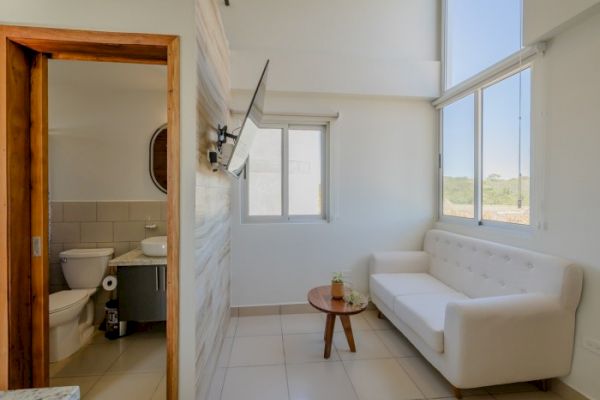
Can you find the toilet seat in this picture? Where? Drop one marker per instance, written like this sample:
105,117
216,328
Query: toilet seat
66,299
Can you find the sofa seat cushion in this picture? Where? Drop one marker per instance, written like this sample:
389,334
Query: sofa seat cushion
388,286
425,314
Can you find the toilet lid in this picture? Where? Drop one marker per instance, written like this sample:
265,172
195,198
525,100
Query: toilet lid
66,298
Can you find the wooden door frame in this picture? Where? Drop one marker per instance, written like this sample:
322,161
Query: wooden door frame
24,52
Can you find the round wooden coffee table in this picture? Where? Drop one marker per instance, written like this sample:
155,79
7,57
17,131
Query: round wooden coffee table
320,298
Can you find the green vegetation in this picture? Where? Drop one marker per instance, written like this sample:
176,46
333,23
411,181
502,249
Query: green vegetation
458,190
496,191
338,277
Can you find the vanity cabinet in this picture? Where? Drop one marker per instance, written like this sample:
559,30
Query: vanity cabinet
142,293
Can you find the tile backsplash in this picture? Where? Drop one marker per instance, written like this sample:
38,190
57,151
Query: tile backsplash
119,224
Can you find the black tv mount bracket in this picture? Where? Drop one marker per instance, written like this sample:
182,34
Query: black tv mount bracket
222,136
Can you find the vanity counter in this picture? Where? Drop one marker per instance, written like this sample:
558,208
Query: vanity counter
135,258
54,393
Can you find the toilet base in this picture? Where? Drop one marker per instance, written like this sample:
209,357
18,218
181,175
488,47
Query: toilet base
67,338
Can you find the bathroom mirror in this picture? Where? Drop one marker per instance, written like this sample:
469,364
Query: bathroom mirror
158,158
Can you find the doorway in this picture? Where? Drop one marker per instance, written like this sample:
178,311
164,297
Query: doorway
24,305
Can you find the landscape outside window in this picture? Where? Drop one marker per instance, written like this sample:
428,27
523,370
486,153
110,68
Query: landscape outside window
505,150
458,158
478,35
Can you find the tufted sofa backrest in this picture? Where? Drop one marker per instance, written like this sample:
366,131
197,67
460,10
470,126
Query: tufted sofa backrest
480,268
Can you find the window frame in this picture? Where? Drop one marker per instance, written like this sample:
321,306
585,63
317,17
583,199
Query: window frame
285,217
516,62
477,92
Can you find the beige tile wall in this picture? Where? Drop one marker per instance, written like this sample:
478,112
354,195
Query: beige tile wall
120,225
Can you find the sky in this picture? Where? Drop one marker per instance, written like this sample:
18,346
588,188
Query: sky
480,33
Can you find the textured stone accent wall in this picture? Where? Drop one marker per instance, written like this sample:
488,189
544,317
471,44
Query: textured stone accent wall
213,195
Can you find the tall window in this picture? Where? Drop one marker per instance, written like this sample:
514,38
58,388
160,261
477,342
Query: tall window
479,33
505,153
486,114
286,174
459,160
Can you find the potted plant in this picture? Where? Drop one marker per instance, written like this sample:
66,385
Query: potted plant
337,285
355,298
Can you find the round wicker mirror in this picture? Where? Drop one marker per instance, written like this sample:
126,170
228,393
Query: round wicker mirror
158,158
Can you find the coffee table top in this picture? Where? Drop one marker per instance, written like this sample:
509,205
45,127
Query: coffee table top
320,298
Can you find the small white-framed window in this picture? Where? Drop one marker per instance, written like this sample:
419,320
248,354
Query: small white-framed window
286,176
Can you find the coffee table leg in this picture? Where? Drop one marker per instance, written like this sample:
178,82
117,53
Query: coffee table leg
329,325
348,331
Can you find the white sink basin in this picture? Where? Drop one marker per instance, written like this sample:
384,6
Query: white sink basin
155,246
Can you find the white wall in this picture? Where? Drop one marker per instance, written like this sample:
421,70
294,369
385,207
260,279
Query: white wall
383,194
566,84
101,122
357,59
151,16
368,47
545,18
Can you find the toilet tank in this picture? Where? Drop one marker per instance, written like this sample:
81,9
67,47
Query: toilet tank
85,268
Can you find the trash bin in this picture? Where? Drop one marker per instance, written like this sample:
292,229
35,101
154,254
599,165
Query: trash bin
112,319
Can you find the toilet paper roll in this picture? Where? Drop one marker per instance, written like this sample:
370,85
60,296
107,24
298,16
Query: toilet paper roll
109,283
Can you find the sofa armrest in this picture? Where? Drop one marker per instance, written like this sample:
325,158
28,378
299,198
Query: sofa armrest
398,261
508,338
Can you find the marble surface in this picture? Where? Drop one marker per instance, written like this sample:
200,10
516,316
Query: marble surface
136,257
55,393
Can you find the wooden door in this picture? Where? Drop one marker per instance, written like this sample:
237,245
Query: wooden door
39,220
24,186
15,222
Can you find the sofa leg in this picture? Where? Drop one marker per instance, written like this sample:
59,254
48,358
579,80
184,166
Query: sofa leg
379,314
457,392
542,384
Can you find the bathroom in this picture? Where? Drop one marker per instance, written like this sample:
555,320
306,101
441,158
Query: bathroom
107,174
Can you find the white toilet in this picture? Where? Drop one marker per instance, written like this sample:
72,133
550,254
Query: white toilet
72,311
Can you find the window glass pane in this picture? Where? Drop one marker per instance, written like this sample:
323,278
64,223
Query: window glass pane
458,128
264,174
506,150
478,34
306,174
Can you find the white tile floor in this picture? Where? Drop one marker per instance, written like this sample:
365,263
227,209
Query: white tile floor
132,367
281,358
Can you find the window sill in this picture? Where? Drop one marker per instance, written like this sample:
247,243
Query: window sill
282,221
487,227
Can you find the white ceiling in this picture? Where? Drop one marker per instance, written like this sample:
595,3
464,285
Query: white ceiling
107,76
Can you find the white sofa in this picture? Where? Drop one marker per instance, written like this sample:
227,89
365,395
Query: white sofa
482,313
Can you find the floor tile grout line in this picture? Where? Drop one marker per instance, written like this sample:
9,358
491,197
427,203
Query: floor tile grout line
411,379
344,361
157,386
350,379
287,379
237,324
223,384
106,372
384,344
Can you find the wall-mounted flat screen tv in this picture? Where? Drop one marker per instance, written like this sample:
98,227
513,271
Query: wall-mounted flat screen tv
249,128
